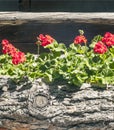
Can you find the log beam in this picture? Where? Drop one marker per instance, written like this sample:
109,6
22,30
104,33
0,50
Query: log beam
50,17
38,105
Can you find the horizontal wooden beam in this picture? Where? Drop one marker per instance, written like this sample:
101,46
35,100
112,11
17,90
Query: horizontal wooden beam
56,17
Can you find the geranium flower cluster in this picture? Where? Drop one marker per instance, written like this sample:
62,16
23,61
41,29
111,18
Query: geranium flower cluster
44,40
107,41
16,55
80,62
101,46
80,39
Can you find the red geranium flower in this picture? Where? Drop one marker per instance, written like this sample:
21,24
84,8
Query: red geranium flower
100,48
5,42
80,39
108,39
18,57
7,47
45,39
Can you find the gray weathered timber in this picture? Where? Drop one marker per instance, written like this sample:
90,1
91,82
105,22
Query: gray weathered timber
58,106
47,17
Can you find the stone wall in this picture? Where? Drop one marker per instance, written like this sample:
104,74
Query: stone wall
56,106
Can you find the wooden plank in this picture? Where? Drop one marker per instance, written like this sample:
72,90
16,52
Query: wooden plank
55,17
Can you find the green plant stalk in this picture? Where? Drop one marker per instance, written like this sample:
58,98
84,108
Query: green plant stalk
38,50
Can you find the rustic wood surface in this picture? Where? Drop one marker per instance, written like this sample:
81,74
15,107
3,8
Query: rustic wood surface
47,17
58,106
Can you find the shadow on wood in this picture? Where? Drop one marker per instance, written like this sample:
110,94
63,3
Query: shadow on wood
23,36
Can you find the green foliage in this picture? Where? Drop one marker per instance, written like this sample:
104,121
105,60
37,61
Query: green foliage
75,65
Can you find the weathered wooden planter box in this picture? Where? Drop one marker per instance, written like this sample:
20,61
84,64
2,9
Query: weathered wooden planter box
40,106
57,106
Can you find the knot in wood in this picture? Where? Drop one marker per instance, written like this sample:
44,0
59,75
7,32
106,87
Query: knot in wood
38,104
40,101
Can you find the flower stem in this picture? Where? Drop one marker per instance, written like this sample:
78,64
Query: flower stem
38,51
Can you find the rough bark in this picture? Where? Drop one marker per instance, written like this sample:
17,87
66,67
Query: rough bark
58,106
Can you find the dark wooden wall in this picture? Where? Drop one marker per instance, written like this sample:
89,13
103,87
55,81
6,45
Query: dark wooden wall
24,36
58,5
73,5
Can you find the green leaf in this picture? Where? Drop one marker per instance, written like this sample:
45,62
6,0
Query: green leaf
61,48
48,77
111,65
97,38
52,46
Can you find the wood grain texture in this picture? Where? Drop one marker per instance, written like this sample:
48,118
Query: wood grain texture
38,105
47,17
